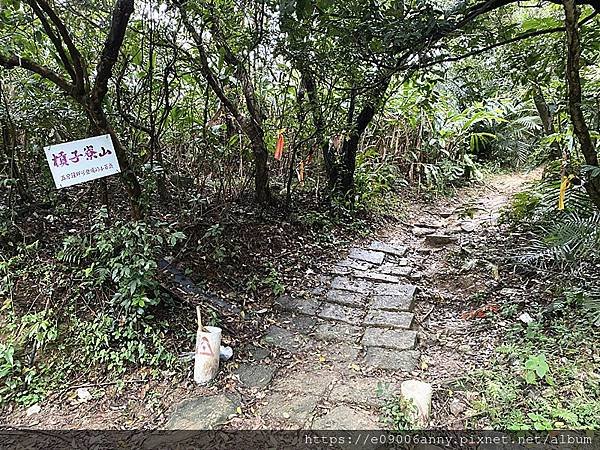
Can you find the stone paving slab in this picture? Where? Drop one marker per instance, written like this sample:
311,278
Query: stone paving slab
396,250
338,332
298,305
342,313
296,408
347,298
394,339
204,413
303,324
399,271
255,375
339,352
257,354
348,284
354,264
392,302
346,418
339,270
369,256
407,290
376,276
363,390
389,319
314,382
387,359
285,339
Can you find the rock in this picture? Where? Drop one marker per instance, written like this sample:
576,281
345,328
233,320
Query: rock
314,382
435,224
416,276
257,353
297,305
341,313
255,375
468,226
457,407
204,413
363,391
33,409
395,250
387,359
464,348
418,231
83,395
296,408
526,318
346,418
394,339
339,332
348,284
284,339
446,213
339,270
346,298
369,256
419,393
388,319
440,240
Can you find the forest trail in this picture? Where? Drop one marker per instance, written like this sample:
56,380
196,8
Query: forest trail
335,355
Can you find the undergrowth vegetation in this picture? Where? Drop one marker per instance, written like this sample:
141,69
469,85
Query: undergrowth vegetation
544,375
91,304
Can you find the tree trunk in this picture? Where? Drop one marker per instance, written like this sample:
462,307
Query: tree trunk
547,120
261,155
574,84
100,123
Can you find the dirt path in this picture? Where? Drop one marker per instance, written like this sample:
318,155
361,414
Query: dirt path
392,309
336,354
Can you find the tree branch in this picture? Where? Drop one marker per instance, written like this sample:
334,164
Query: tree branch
56,41
209,75
110,52
78,63
13,61
520,37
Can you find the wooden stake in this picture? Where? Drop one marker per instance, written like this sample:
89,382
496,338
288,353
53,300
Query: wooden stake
199,316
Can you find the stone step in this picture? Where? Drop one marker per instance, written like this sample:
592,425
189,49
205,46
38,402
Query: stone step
395,250
345,283
389,319
376,276
347,298
341,313
394,339
387,359
338,332
392,302
370,256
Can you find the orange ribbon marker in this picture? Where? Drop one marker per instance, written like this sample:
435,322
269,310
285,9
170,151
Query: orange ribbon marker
280,144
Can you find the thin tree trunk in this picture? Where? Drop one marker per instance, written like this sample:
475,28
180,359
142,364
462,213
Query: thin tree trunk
547,121
574,84
132,185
